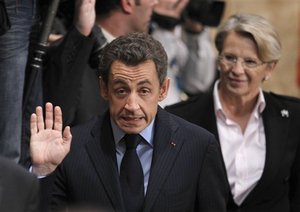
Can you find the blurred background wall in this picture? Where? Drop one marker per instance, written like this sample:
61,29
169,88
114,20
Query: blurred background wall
285,16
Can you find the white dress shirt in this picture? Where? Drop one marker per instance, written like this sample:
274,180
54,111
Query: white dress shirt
243,153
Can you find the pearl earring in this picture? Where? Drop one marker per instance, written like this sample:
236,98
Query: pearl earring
267,78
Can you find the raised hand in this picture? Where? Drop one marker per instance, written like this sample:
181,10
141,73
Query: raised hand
85,15
48,144
171,8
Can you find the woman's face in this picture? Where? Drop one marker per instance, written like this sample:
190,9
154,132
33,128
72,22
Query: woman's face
241,71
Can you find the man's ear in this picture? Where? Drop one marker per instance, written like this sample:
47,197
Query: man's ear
127,6
164,89
103,89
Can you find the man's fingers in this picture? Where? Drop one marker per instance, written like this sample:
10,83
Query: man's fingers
58,122
49,115
33,125
40,118
67,136
85,16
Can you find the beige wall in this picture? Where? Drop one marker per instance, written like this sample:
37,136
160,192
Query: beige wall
284,15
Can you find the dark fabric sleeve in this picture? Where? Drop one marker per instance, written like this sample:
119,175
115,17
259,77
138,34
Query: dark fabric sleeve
65,67
213,188
295,184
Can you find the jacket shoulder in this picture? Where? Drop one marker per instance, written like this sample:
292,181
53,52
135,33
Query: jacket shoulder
284,98
189,128
189,104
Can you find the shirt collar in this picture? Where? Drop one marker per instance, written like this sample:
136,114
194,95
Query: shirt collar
109,37
147,133
259,107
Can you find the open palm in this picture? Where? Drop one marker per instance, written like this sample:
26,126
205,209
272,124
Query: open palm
48,144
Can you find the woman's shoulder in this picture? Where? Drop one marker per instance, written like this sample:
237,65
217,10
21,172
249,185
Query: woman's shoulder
284,98
283,102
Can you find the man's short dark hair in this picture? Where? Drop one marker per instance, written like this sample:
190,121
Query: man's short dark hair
104,7
133,49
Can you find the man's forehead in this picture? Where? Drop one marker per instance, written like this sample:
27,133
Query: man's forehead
119,69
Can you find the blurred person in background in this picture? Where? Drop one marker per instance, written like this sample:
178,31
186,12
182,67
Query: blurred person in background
185,34
19,190
258,131
21,16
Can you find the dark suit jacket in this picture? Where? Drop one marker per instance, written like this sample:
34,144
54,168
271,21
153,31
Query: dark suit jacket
186,172
279,187
71,80
19,190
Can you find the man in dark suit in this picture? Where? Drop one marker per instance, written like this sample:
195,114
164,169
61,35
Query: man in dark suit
181,162
19,190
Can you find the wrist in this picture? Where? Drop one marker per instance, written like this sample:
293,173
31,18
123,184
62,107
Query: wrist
43,170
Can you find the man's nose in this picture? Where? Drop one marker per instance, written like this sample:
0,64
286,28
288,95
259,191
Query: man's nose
132,102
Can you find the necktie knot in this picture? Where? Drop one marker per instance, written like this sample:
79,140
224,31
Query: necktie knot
132,141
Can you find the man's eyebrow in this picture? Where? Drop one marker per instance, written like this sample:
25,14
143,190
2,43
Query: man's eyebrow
124,82
119,81
144,82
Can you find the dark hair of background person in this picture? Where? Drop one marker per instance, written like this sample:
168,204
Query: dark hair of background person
207,12
132,50
104,7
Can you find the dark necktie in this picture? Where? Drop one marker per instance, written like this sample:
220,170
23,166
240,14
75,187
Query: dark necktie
131,175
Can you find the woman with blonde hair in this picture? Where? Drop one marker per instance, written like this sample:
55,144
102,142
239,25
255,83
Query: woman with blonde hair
258,131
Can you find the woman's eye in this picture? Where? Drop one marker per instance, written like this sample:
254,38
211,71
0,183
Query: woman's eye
230,58
251,62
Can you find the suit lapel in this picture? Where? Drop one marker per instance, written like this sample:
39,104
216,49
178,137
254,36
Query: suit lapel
101,149
164,154
276,126
209,118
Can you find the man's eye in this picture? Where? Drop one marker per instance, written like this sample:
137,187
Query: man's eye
120,91
144,91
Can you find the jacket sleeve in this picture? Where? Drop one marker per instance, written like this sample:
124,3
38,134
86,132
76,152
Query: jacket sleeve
295,184
213,187
64,70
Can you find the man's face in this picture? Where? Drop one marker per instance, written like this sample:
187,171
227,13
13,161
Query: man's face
142,13
133,93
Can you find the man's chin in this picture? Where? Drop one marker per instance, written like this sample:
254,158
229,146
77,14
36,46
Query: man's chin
131,129
128,130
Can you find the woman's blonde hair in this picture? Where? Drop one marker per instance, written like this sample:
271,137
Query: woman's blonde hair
256,28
